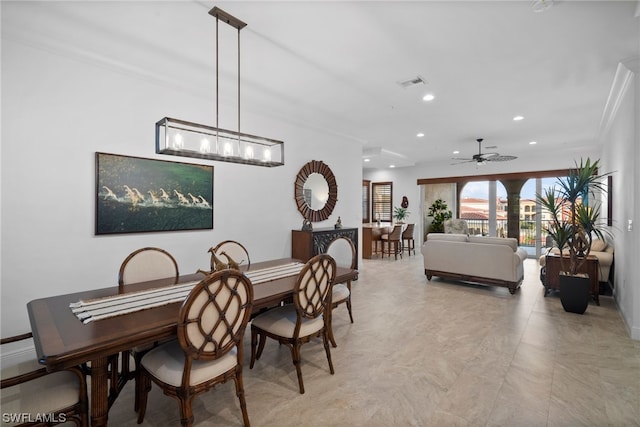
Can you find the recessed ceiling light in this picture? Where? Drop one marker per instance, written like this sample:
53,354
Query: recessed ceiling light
428,97
420,135
533,143
518,118
367,160
456,152
392,166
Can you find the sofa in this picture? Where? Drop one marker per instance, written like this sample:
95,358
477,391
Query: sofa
601,249
480,259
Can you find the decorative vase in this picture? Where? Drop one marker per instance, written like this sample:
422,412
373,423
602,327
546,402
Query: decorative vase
574,293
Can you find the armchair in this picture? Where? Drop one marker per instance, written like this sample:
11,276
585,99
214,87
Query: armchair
30,393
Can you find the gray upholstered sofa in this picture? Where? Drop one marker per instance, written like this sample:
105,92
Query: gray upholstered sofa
488,260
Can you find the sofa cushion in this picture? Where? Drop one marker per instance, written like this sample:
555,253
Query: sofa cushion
513,243
447,237
598,245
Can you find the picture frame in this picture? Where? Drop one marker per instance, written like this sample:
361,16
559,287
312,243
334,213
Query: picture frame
138,195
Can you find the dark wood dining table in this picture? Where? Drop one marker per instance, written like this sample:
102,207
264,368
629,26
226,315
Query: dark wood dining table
62,340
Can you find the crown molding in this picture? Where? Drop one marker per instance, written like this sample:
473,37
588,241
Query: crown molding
626,71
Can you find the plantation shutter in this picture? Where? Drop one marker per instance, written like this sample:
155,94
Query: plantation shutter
382,197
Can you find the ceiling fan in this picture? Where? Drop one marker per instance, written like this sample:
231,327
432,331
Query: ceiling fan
481,158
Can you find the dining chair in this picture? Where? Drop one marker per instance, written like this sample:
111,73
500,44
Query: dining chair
295,324
141,265
30,393
231,252
392,240
208,351
408,243
344,253
146,264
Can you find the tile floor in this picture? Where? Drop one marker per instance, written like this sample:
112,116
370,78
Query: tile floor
436,353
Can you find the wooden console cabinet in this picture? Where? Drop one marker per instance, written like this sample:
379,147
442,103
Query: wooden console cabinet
553,267
307,244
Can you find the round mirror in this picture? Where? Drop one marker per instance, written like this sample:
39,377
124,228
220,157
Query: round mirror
316,191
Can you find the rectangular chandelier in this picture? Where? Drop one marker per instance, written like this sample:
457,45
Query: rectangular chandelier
187,139
181,138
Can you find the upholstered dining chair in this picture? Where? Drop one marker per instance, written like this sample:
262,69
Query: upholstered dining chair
230,251
344,253
208,351
392,240
27,388
408,244
295,324
141,265
147,264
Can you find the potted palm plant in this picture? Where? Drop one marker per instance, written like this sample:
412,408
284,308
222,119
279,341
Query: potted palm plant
572,227
400,214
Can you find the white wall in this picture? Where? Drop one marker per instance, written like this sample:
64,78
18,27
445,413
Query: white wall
621,155
60,106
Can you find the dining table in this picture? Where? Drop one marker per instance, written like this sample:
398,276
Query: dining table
62,340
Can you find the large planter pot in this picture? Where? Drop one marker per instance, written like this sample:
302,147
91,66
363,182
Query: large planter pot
574,293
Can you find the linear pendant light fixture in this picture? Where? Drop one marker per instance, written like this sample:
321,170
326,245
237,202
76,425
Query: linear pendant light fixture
182,138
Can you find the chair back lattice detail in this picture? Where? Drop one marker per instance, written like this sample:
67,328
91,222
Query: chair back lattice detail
147,264
214,316
313,286
343,252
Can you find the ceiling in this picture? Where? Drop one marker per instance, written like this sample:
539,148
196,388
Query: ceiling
336,66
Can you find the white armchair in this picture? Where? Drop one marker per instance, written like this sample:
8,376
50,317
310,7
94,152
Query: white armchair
456,226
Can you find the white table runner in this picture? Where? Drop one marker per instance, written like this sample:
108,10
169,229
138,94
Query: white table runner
103,308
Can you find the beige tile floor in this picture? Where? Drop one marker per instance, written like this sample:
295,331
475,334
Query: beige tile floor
436,353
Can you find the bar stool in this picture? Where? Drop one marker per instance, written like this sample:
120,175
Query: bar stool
392,238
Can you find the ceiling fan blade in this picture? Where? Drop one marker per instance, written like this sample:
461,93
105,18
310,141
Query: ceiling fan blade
463,161
501,158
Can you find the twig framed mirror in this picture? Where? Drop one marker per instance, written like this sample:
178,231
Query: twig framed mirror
316,191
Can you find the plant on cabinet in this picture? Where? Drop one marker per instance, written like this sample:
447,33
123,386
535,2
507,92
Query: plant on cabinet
574,222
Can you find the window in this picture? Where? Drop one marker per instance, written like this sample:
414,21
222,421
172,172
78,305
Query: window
366,186
381,203
475,206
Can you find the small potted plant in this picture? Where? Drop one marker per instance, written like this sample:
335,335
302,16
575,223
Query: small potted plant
572,227
400,214
440,212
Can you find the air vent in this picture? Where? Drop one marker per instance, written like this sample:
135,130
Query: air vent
412,82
